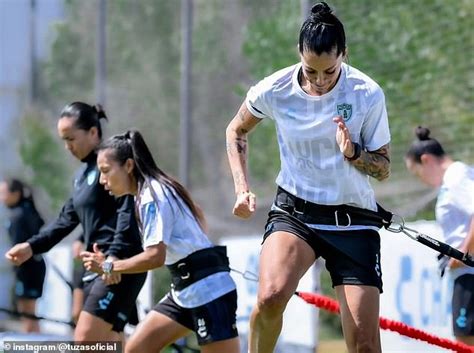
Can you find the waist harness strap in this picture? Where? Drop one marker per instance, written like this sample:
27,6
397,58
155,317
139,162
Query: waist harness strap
339,215
198,265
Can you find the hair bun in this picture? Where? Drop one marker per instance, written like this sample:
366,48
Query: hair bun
422,133
320,10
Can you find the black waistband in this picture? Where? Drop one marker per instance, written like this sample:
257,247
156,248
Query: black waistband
339,215
198,265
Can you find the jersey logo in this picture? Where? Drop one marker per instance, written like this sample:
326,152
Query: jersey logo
104,302
345,110
202,330
461,321
91,177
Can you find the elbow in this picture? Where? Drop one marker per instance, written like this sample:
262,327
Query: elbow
156,258
158,261
230,133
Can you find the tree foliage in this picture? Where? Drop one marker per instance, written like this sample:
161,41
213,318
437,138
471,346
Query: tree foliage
411,49
41,152
419,52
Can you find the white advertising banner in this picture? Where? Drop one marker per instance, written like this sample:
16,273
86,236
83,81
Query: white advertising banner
414,293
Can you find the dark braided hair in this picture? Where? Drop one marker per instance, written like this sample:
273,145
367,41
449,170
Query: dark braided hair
322,32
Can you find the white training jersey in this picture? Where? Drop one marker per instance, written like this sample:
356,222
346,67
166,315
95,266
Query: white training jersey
312,166
166,218
455,206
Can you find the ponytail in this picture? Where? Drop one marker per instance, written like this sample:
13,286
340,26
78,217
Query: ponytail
87,116
131,145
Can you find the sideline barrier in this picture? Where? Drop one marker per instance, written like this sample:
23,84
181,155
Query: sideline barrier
332,305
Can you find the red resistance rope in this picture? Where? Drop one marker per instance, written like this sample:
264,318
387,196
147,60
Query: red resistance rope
386,324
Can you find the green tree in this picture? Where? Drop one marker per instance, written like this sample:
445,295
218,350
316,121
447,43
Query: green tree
409,48
40,151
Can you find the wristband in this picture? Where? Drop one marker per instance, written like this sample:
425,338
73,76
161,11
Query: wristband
357,152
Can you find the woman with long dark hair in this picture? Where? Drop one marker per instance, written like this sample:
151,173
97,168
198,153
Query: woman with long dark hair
105,220
203,296
24,222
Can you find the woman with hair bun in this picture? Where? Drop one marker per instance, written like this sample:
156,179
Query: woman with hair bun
333,134
427,160
24,221
203,296
107,223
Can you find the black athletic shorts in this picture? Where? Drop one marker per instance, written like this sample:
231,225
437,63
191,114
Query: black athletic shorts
212,322
352,256
115,303
463,306
30,278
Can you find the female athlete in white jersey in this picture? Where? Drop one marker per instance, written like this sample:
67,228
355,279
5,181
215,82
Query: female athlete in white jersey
203,296
427,160
333,134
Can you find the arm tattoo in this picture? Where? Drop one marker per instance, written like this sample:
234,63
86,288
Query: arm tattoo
241,145
237,146
375,163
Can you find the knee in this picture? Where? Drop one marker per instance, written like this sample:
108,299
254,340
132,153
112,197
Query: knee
85,331
272,301
81,334
137,345
131,348
366,342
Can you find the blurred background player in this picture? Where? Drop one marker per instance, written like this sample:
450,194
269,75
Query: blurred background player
106,221
24,222
427,160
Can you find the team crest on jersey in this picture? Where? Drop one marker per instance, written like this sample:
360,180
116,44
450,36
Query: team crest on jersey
345,110
91,177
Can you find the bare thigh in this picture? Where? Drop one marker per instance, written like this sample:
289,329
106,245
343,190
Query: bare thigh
469,340
93,328
77,303
154,333
231,345
27,306
284,259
